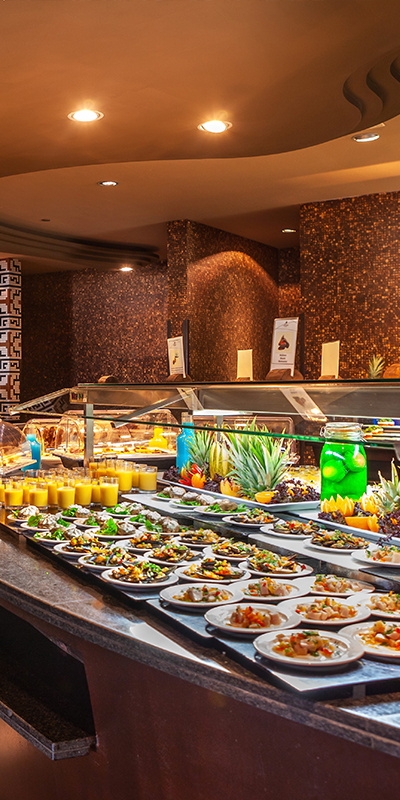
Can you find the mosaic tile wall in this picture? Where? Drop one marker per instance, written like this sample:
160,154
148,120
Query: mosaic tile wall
231,298
10,332
350,263
290,304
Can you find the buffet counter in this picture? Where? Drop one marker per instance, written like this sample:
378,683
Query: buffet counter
159,715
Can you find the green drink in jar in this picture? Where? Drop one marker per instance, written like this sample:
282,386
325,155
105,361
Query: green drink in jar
343,465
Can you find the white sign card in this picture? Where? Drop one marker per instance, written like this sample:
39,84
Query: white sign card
244,365
284,339
176,358
330,359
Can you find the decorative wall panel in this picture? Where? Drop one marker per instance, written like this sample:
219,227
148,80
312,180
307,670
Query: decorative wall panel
10,332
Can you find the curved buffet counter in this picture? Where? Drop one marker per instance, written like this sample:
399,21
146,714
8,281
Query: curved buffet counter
98,689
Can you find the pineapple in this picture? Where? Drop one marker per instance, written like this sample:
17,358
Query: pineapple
258,461
388,494
376,367
199,449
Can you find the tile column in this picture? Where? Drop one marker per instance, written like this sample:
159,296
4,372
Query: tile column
10,332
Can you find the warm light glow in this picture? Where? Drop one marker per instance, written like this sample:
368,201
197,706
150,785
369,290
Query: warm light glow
214,126
289,230
107,183
126,269
85,115
365,137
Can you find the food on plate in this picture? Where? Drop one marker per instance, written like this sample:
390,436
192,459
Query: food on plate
57,534
249,618
293,491
304,644
295,527
125,509
388,603
48,521
266,561
381,634
202,536
203,594
164,525
338,540
332,584
267,587
141,572
224,507
24,513
107,556
254,516
143,541
171,493
388,554
193,499
81,544
76,512
327,608
231,547
213,569
172,553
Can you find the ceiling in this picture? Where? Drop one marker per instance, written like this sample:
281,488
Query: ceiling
294,77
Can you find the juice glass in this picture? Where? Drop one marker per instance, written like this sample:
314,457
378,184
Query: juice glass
111,464
148,479
135,474
96,496
66,494
108,491
83,491
2,488
13,494
343,464
53,483
123,471
39,495
101,469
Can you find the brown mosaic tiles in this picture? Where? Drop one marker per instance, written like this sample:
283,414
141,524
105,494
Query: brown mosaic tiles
231,301
289,282
349,252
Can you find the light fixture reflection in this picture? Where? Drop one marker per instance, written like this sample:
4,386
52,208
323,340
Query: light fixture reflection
85,115
125,269
214,126
289,230
365,137
107,183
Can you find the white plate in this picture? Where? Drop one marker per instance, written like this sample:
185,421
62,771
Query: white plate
209,553
268,529
93,567
309,582
13,521
59,548
176,505
367,599
218,514
386,653
341,551
180,573
137,587
196,546
148,557
168,595
301,571
161,499
362,611
350,650
296,591
29,528
360,555
48,542
230,519
218,618
163,534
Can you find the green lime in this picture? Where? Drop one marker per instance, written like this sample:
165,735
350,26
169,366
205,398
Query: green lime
355,461
334,470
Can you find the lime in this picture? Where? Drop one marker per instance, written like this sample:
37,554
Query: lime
355,461
334,470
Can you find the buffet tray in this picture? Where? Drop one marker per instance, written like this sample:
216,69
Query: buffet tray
324,523
357,679
303,506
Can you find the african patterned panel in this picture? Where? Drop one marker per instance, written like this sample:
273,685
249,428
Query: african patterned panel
10,332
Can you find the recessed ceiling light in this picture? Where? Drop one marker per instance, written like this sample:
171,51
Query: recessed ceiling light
45,220
107,183
289,230
214,126
85,115
126,269
365,137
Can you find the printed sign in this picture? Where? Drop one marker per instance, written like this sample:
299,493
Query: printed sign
330,359
244,365
176,358
284,339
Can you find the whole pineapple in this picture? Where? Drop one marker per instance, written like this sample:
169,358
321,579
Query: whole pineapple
388,494
376,367
199,449
258,461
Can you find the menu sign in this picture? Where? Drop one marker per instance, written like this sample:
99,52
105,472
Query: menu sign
284,340
176,358
330,359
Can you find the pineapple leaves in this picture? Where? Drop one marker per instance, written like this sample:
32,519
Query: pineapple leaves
259,462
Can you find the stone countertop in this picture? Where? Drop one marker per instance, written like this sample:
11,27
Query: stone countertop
39,586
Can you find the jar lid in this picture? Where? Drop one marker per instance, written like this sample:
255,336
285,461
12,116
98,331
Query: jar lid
342,430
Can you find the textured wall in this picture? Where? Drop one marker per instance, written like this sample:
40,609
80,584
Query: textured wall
290,301
231,301
350,266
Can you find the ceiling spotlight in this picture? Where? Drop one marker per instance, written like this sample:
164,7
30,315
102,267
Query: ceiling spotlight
126,269
85,115
214,126
289,230
44,219
365,137
107,183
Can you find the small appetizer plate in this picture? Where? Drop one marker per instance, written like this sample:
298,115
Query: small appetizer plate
48,542
301,570
231,520
72,556
171,595
269,530
219,515
362,611
129,586
219,618
193,545
361,555
147,555
378,651
244,575
369,601
296,590
309,582
94,567
346,551
209,553
346,650
14,521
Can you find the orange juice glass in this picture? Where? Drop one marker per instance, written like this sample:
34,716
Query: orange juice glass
148,479
66,494
108,491
96,496
124,473
110,467
101,469
2,487
83,491
13,494
39,495
135,475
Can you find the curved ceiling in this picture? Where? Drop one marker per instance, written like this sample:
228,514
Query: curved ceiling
289,75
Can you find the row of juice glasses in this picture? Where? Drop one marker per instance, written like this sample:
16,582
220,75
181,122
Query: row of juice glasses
62,488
